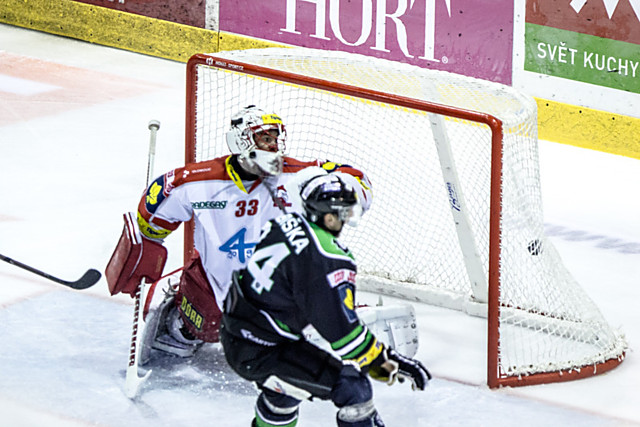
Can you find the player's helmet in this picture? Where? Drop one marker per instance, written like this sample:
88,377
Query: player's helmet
242,140
330,194
250,121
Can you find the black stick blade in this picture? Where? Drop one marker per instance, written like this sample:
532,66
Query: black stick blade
87,280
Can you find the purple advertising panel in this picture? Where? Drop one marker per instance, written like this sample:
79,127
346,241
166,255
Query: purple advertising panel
470,37
187,12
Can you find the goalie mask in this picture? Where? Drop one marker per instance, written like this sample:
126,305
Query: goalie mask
258,138
329,194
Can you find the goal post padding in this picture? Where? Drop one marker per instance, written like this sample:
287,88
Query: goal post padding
457,216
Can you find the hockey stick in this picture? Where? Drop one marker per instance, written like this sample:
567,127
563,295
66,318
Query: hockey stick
133,381
88,279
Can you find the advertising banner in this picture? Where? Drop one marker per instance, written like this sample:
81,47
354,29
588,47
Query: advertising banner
591,41
470,37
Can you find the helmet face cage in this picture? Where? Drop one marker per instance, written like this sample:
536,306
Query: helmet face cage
328,194
242,137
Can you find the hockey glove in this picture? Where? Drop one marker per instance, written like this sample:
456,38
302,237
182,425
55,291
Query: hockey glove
397,366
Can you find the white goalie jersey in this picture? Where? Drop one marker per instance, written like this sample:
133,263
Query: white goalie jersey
228,211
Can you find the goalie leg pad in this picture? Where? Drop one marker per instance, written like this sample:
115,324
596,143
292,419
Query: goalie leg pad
394,325
197,303
172,338
135,258
158,298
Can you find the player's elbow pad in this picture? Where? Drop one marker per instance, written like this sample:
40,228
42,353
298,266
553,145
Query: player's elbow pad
134,259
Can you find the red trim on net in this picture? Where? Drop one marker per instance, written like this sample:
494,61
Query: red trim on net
559,376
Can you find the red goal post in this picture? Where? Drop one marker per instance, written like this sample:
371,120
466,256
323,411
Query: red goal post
483,251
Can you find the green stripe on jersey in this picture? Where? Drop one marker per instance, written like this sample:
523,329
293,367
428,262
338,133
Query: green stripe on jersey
361,349
337,345
328,242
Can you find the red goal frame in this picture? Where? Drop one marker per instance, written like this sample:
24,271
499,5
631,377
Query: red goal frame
495,378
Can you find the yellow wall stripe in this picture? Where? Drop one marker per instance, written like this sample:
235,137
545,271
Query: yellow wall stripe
118,29
109,27
587,128
558,122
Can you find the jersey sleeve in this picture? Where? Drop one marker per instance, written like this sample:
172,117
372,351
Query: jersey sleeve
163,207
337,321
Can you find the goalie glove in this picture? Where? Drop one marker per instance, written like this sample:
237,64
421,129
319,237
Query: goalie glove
397,366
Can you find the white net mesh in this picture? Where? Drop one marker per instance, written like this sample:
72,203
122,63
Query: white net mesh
408,243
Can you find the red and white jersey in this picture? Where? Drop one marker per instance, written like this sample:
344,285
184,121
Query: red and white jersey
228,212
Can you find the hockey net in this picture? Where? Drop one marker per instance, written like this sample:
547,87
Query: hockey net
456,219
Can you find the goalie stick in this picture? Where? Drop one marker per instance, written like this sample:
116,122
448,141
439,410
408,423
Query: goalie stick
88,279
133,381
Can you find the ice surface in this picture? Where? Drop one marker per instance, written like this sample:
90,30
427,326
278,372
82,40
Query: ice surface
71,162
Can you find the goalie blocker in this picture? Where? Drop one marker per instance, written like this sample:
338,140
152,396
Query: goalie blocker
134,259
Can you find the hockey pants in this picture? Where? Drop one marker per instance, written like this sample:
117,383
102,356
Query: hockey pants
293,371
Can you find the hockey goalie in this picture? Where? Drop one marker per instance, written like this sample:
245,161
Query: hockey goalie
230,198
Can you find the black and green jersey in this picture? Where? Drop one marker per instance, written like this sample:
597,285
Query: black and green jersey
301,275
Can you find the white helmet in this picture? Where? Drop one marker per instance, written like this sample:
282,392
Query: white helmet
241,140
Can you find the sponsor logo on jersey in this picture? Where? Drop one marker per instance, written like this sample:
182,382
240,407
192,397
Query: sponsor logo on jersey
201,170
341,276
191,314
248,335
237,247
213,204
348,306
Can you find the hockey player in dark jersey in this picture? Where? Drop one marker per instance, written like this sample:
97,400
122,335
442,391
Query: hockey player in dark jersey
300,275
